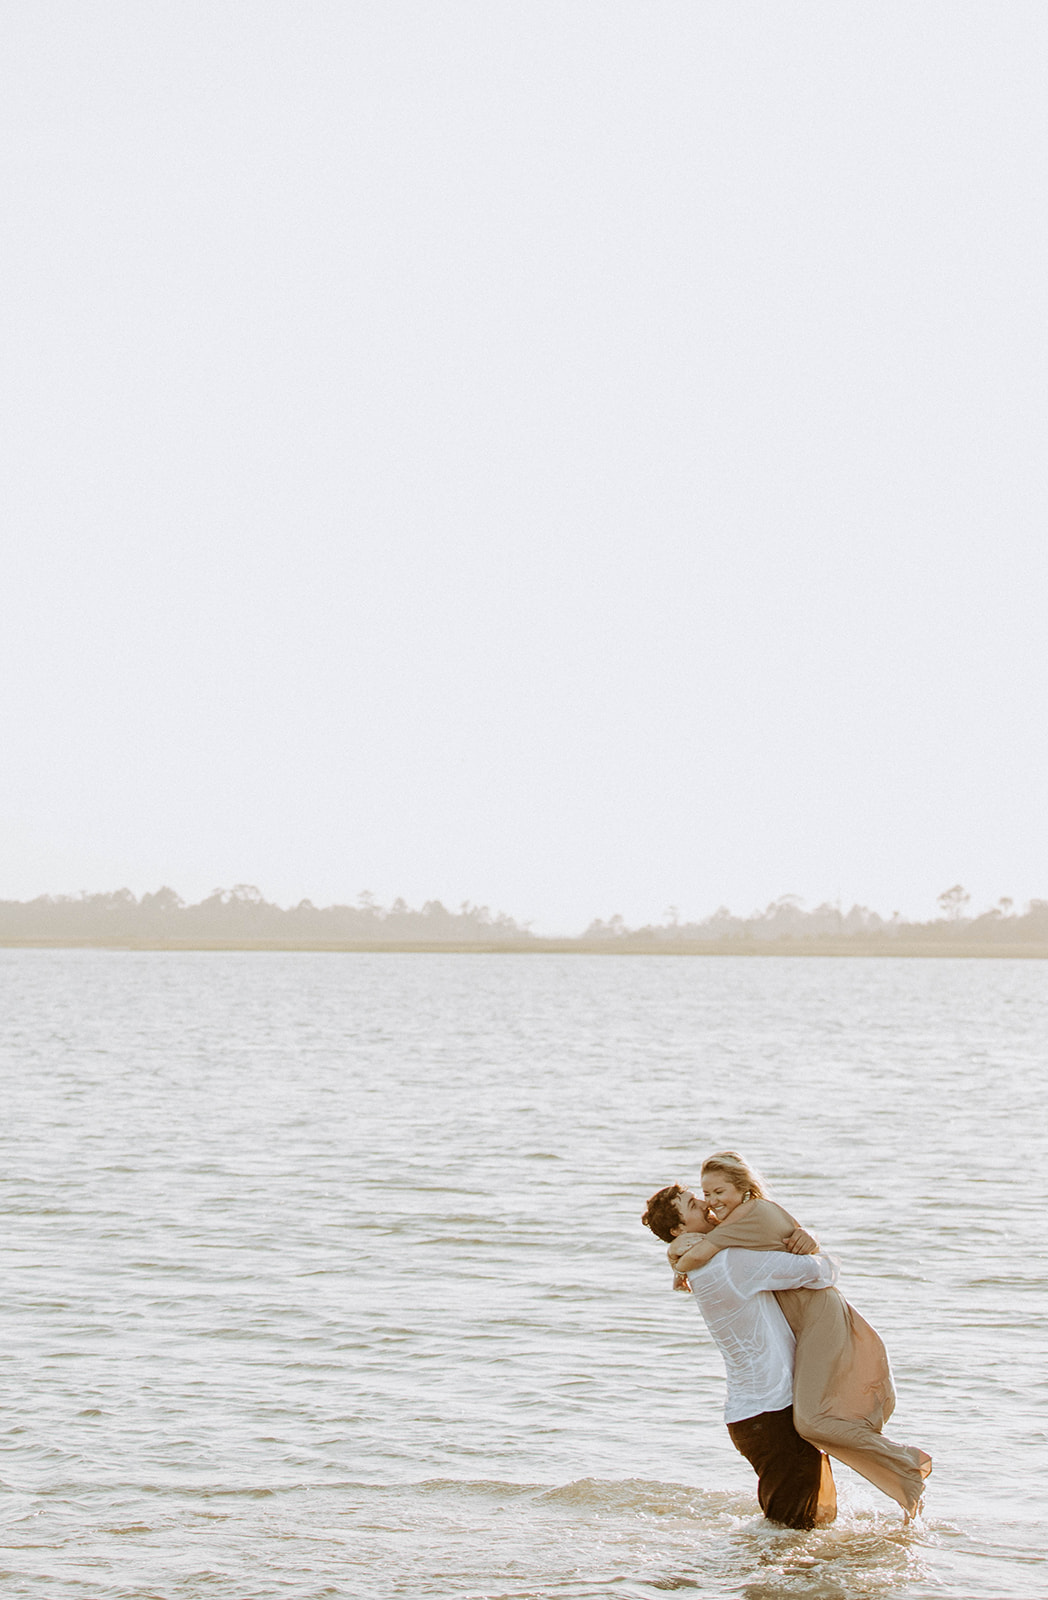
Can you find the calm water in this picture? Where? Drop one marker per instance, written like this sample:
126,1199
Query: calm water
323,1274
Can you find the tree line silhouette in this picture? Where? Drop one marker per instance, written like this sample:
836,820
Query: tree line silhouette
242,915
228,915
786,919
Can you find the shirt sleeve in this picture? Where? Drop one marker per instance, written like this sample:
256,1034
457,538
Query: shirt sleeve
753,1271
755,1225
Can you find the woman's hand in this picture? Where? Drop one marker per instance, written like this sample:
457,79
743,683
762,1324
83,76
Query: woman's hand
682,1243
700,1249
801,1243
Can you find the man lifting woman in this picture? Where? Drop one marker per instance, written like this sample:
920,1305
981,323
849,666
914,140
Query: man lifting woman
807,1376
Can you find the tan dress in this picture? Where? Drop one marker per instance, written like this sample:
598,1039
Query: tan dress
843,1392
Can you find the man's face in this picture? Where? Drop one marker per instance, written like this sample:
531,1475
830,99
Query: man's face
692,1212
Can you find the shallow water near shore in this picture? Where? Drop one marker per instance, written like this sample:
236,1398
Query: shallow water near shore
324,1275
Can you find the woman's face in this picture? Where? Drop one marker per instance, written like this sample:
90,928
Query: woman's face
721,1194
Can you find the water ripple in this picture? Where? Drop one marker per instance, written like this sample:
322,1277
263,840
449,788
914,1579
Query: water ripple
323,1274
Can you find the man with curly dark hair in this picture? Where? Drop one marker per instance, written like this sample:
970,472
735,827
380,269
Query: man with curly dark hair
734,1292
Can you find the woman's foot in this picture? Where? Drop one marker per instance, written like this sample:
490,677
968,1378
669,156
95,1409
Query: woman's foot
924,1467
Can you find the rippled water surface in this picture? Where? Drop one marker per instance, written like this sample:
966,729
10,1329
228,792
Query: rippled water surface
323,1274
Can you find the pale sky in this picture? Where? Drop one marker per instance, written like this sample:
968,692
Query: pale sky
578,457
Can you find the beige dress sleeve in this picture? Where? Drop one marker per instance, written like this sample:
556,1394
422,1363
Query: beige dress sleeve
843,1392
755,1225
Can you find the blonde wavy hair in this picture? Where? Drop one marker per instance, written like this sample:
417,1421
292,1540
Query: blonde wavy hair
737,1171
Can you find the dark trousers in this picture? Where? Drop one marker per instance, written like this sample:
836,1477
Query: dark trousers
794,1481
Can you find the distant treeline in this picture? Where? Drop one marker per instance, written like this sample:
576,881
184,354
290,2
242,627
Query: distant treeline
242,915
785,919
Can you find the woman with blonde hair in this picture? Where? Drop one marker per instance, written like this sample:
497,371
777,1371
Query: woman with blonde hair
843,1392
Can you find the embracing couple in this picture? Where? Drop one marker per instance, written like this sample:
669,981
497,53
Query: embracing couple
807,1376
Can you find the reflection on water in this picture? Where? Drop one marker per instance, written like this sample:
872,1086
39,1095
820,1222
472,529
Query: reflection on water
324,1273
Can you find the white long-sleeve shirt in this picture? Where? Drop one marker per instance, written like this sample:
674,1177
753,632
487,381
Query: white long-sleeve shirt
734,1293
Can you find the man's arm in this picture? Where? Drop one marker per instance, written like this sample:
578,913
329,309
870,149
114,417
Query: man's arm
752,1271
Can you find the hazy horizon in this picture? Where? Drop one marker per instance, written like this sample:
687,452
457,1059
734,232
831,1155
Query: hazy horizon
787,913
584,459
